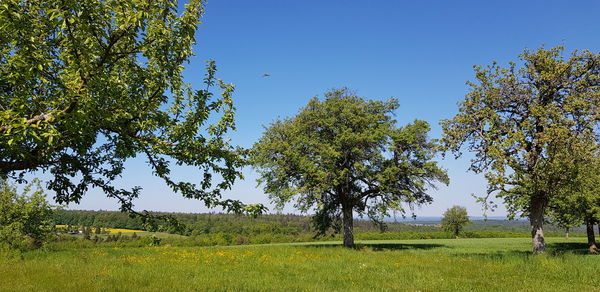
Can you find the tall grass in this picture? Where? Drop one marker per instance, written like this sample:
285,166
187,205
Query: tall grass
407,265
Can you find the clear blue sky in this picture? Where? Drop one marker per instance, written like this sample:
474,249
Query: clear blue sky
420,52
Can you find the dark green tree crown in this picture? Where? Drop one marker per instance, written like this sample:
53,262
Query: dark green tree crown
346,150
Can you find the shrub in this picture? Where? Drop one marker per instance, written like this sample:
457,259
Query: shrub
151,240
25,219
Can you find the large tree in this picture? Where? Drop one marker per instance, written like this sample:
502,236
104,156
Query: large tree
344,154
86,85
521,121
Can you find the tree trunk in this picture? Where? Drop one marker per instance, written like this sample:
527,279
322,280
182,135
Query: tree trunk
536,219
567,233
589,224
347,221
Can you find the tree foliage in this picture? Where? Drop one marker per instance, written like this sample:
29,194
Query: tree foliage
344,154
455,219
87,85
523,122
25,219
579,202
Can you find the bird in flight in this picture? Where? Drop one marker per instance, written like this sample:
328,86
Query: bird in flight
266,75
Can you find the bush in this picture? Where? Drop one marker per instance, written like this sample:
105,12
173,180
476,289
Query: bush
151,240
25,219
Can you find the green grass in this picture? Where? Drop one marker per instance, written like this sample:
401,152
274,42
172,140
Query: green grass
402,265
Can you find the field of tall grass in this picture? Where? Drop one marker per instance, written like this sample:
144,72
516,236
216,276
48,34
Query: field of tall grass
489,264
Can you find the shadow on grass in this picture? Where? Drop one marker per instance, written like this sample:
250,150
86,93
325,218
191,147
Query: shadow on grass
559,248
496,256
381,246
553,249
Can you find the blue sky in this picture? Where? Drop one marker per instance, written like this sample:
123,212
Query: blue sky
420,52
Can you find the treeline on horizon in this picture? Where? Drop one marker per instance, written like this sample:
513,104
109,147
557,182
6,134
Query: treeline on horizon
198,224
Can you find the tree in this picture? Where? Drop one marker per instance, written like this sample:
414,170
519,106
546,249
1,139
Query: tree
344,154
455,219
579,202
521,124
25,219
87,85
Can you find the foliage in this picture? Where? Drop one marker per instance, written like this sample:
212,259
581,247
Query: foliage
523,123
580,201
344,154
25,219
231,229
87,85
230,238
455,219
151,240
210,229
407,265
194,223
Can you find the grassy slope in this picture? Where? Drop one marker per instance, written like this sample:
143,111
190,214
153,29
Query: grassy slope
407,265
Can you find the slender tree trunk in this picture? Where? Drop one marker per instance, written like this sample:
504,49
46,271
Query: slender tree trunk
536,219
567,233
589,224
348,222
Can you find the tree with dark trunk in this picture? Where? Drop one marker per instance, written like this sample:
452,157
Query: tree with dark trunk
522,123
344,155
589,227
348,223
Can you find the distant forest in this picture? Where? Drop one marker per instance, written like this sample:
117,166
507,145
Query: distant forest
195,224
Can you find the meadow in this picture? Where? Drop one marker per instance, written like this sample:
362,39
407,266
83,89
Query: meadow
468,264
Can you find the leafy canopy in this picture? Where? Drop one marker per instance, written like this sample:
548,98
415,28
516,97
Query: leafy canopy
579,201
346,152
455,219
523,122
86,85
25,219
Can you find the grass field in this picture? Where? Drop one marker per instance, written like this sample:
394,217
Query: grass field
407,265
